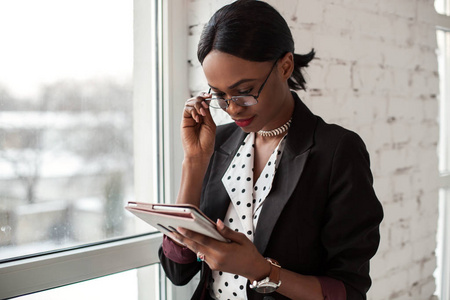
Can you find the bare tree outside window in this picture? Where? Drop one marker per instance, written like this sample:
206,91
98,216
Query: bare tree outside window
66,125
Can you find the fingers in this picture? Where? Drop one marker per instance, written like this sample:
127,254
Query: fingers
230,234
196,108
198,242
195,239
174,236
188,239
179,238
237,256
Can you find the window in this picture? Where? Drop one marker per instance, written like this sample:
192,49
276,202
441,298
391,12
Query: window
124,285
443,251
96,131
442,7
442,273
66,156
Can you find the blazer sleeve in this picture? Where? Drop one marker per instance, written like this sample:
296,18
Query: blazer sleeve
353,213
179,273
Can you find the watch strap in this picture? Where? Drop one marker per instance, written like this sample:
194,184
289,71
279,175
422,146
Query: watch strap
272,282
275,269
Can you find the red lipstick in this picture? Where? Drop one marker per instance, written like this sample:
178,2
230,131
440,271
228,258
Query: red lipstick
243,122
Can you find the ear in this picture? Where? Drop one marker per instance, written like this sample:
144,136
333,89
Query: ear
286,65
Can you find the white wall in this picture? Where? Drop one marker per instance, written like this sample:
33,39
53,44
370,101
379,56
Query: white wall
376,74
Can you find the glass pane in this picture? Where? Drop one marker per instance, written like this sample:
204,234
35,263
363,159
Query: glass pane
443,39
131,285
66,135
442,273
442,6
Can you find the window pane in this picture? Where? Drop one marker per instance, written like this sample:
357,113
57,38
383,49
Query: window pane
131,285
442,6
443,39
442,272
66,135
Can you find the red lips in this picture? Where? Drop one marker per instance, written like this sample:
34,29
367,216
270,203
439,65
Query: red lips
244,122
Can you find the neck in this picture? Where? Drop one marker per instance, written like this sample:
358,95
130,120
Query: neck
282,121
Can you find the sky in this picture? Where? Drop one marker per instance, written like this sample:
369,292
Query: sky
49,40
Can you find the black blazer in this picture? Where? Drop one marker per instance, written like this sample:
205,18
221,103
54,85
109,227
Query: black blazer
322,215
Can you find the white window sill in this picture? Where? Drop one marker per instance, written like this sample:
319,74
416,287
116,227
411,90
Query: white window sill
47,271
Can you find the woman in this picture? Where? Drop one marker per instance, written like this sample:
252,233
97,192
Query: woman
292,194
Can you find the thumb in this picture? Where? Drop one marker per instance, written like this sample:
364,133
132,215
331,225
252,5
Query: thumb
229,234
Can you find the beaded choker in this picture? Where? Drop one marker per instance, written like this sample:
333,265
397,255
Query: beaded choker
276,131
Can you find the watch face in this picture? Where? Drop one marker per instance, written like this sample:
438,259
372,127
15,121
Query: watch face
267,287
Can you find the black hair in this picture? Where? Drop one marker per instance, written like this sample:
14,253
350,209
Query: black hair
255,31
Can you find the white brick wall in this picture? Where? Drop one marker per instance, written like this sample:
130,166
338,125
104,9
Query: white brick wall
376,74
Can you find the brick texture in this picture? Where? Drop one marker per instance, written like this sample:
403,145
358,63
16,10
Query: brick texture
376,74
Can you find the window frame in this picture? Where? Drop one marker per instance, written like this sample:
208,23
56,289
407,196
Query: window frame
174,92
442,23
45,271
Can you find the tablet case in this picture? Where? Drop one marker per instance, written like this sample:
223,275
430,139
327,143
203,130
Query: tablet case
167,221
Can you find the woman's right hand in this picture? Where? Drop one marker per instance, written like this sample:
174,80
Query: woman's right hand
198,129
197,136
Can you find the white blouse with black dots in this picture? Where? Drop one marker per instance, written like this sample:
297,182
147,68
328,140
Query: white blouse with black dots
243,213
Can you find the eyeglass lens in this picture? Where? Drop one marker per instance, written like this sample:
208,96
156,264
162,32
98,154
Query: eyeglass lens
218,102
245,100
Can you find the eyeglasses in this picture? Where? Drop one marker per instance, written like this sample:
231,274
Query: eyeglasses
217,101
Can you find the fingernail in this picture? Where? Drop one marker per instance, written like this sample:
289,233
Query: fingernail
181,230
220,224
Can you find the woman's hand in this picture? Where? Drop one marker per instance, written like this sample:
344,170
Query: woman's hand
197,136
239,256
198,129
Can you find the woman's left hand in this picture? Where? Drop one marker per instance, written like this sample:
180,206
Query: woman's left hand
239,256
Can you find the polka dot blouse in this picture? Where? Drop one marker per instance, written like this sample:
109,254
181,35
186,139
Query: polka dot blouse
243,213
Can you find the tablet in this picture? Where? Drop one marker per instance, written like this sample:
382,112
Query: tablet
167,217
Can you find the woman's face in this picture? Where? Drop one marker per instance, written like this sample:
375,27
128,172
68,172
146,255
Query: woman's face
229,76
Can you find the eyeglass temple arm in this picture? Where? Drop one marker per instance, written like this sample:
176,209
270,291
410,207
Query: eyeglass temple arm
262,85
267,78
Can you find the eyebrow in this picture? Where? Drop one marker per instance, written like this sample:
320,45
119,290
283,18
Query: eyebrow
234,85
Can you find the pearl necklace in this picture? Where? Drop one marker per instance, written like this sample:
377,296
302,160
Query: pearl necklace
283,128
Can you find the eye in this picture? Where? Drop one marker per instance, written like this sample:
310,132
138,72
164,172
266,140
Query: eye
246,92
218,95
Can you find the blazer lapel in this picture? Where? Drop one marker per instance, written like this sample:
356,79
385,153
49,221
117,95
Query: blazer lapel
299,141
298,144
215,192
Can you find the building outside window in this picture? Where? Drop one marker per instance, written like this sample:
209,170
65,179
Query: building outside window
66,124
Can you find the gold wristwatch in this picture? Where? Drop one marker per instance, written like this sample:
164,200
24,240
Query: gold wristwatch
272,282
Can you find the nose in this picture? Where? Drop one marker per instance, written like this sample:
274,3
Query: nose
233,109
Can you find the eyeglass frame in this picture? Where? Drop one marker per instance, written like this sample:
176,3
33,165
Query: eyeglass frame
235,98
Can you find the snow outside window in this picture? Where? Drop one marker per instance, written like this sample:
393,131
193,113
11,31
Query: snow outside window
80,122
